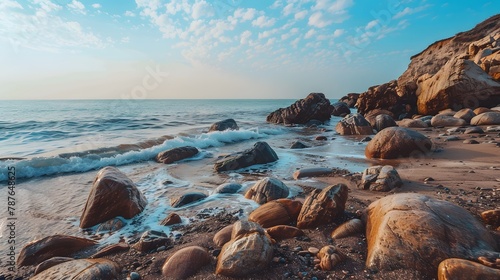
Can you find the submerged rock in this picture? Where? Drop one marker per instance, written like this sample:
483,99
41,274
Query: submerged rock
260,153
267,189
224,125
187,198
112,194
81,269
176,154
228,188
314,107
398,142
322,206
298,145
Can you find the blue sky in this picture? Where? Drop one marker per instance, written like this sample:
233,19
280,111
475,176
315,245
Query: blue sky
217,49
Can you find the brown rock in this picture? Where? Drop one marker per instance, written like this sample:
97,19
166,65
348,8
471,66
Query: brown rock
267,189
322,206
81,269
480,110
185,262
465,114
111,249
171,219
413,231
329,257
380,178
383,121
460,269
314,107
276,212
350,99
354,124
488,118
284,232
409,123
187,198
260,153
43,249
397,142
340,109
151,240
224,125
223,236
445,120
111,225
348,228
311,172
383,96
50,263
176,154
113,194
491,217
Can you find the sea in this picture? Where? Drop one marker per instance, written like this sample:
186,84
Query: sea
56,148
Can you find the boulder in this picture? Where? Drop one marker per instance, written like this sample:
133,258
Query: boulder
348,228
223,236
340,109
398,142
152,240
311,172
298,145
445,120
267,189
228,188
488,118
322,206
224,125
480,110
354,124
57,245
491,217
460,269
459,84
260,153
350,99
176,154
383,121
383,96
112,194
276,212
409,123
473,129
466,114
380,178
250,250
50,263
111,249
414,231
171,219
81,269
284,232
187,198
185,262
314,107
112,225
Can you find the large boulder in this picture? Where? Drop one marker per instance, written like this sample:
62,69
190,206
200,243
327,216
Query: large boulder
459,84
176,154
224,125
384,97
267,189
460,269
445,120
314,107
250,250
354,124
323,206
397,142
488,118
81,269
112,194
414,231
185,262
260,153
57,245
350,99
380,178
340,109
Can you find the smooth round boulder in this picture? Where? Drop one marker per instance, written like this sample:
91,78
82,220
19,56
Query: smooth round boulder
354,124
311,172
398,142
228,188
383,121
447,120
176,154
185,262
322,206
466,114
266,190
284,232
112,194
81,269
488,118
187,198
277,212
460,269
473,129
223,236
480,110
414,231
410,123
224,125
50,263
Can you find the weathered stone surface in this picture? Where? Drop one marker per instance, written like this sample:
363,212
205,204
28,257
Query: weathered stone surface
224,125
348,228
311,172
81,269
491,217
350,99
276,212
480,110
329,257
473,129
267,189
187,198
176,154
298,145
459,84
491,65
340,109
322,206
354,124
223,236
260,153
57,245
314,107
460,269
111,225
171,219
466,114
112,194
185,262
409,123
246,253
111,249
414,231
151,240
397,142
488,118
380,178
284,232
383,121
50,263
445,120
384,97
228,188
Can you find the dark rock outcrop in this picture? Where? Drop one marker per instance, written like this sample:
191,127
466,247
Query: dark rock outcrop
384,97
340,109
260,153
176,154
224,125
350,99
314,107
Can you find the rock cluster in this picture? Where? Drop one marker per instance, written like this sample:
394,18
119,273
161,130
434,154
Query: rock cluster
314,107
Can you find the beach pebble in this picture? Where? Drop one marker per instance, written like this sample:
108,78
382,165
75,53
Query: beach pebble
171,219
452,138
473,129
185,262
466,114
428,179
298,145
266,190
276,212
443,120
321,138
313,250
151,240
470,141
284,232
329,257
135,276
409,123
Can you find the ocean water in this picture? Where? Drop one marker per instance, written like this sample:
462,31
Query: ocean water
57,147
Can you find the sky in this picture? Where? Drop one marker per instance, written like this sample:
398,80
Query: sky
155,49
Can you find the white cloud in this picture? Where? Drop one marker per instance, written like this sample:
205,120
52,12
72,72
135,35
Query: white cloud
245,37
10,4
309,34
409,11
245,14
125,39
77,7
277,4
295,43
201,9
318,21
96,6
175,6
263,21
46,6
300,15
338,32
371,24
129,14
268,33
288,9
337,9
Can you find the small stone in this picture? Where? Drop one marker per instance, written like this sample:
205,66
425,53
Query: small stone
135,276
216,252
366,139
470,141
313,250
451,138
321,138
428,179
